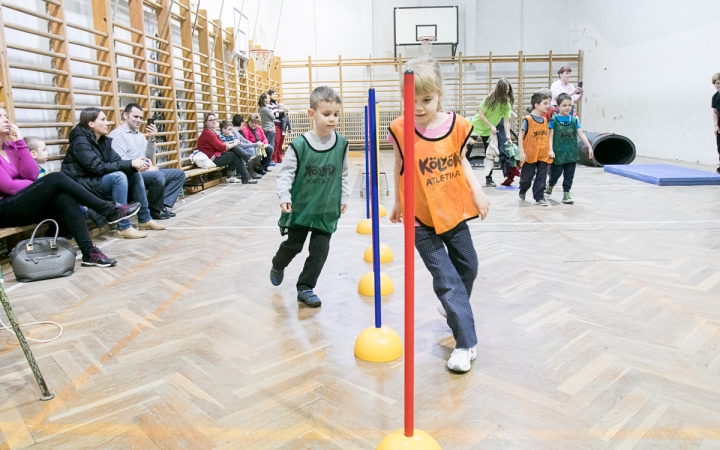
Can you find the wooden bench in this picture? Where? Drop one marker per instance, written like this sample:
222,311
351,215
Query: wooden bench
197,173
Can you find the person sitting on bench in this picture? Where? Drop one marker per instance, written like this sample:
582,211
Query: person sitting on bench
163,185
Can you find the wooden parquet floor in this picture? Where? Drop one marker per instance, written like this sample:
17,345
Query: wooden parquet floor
598,324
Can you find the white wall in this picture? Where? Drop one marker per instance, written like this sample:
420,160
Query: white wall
647,72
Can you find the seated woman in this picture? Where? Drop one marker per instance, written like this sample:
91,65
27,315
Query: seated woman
253,132
25,201
248,149
91,161
219,152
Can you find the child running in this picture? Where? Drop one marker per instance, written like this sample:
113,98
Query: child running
535,152
314,190
447,195
492,111
564,131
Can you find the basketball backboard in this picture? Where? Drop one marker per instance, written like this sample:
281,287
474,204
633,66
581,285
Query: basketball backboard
413,23
241,25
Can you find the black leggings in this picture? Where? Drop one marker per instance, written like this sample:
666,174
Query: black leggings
55,196
319,248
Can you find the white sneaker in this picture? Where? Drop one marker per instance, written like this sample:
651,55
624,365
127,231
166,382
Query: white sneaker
234,180
441,310
461,358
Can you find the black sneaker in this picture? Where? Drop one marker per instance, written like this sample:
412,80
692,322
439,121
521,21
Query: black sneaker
276,276
541,202
309,298
489,182
168,212
98,259
123,212
522,196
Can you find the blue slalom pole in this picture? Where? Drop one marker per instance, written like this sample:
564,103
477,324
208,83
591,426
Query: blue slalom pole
375,204
367,167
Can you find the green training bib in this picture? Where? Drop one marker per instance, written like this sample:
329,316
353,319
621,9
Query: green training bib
565,142
317,189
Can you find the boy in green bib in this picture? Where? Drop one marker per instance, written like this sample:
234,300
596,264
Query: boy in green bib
564,132
314,190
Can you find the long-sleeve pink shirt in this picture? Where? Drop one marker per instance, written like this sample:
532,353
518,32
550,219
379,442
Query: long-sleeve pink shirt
20,169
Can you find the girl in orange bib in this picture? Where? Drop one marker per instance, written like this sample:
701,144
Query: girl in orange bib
447,194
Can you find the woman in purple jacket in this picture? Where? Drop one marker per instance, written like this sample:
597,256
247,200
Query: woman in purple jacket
25,201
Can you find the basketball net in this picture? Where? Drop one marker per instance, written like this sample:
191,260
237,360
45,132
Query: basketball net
427,42
262,58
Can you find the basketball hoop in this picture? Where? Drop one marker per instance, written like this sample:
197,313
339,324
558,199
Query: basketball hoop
427,42
262,58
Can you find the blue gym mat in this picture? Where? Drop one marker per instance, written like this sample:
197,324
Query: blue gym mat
664,174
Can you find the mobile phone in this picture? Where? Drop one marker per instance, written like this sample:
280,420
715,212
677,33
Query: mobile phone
580,83
152,121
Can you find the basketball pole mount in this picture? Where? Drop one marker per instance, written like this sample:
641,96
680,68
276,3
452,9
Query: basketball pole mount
378,343
409,438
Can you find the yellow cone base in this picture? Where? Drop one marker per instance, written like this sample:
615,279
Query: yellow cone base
366,286
398,441
365,226
378,345
386,254
382,210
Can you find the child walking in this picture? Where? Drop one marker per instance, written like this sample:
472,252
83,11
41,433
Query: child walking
564,131
493,109
314,190
535,152
447,195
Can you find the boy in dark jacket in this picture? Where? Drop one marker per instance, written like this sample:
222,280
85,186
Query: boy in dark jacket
91,161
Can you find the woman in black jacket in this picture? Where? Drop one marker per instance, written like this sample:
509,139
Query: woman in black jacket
91,161
26,200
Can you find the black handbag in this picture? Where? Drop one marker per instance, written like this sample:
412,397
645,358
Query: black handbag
43,258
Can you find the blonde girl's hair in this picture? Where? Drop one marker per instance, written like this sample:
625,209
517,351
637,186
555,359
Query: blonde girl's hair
501,95
255,118
428,78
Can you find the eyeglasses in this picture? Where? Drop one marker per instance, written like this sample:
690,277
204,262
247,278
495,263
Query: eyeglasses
212,120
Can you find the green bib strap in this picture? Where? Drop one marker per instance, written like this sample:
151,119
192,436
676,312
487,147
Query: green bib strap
565,142
317,189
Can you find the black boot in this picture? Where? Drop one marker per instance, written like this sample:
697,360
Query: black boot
489,181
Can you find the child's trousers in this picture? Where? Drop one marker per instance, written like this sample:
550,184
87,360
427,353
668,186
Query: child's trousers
540,171
567,169
319,248
453,271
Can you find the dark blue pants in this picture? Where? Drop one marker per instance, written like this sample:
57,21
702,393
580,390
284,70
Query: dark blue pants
452,261
539,170
568,172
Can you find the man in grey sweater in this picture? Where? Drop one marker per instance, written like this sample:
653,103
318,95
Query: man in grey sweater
164,185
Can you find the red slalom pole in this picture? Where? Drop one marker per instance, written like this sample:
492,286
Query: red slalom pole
409,223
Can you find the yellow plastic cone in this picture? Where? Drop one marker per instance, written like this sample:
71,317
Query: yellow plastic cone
367,284
378,345
386,254
365,226
397,440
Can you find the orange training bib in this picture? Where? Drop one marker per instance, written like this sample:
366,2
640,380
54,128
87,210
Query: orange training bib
537,141
443,197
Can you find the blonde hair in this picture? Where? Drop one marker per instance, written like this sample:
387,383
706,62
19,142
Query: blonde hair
716,77
428,78
33,143
255,118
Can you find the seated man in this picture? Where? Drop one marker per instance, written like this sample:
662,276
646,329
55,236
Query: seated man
163,185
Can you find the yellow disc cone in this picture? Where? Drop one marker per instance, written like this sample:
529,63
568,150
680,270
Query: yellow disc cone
397,440
365,226
383,211
378,345
386,255
367,284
